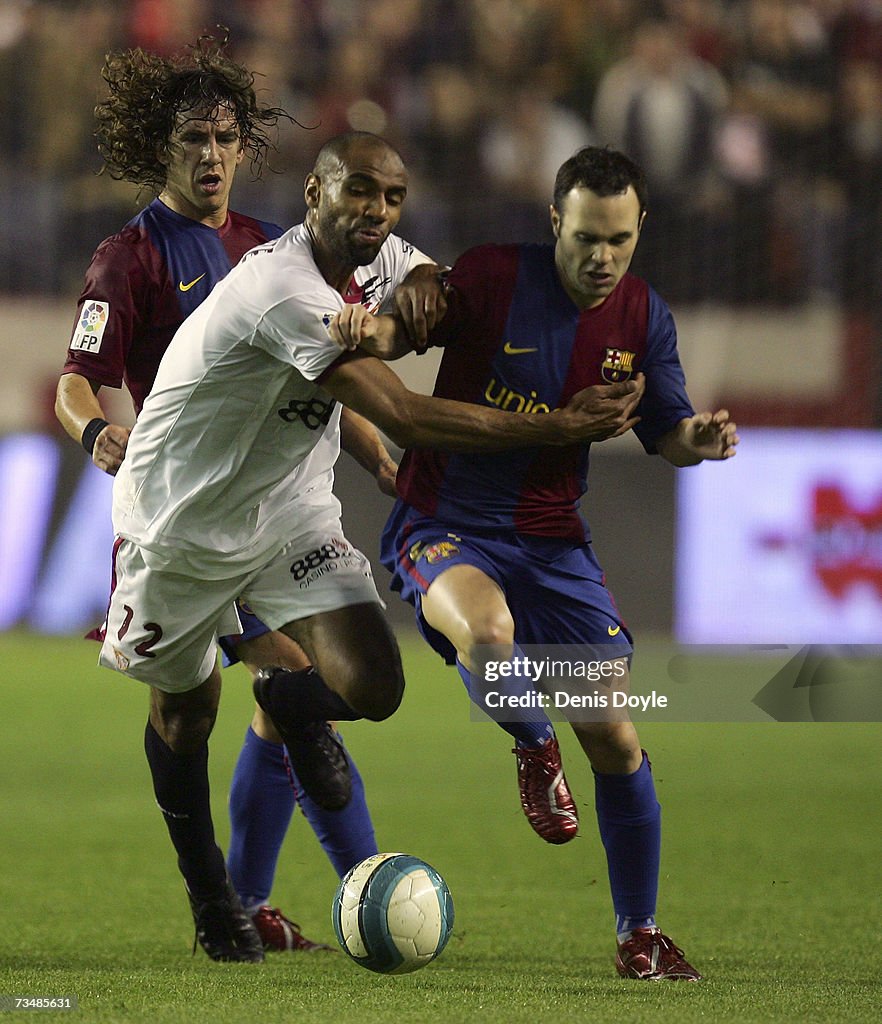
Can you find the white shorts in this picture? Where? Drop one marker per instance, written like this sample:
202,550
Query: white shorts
162,627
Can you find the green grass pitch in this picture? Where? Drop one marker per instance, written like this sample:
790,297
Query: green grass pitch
770,873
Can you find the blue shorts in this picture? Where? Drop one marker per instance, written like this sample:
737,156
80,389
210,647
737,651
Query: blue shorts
554,588
252,628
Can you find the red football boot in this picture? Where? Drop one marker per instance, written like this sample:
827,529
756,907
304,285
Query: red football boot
280,935
650,955
545,795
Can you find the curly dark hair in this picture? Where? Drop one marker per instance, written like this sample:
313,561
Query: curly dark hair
148,92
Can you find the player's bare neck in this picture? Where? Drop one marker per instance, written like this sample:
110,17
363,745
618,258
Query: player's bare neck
339,278
582,301
337,274
210,218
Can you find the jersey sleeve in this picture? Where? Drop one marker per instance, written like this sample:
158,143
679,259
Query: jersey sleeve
402,258
665,402
295,329
473,281
112,303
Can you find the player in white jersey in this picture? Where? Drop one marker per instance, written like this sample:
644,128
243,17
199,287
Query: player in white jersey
225,492
174,496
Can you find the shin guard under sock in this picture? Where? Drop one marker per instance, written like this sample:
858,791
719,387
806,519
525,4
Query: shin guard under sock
180,783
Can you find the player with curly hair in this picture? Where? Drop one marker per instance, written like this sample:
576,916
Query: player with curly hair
148,94
179,127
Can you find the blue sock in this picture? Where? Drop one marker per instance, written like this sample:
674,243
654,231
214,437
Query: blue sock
532,728
347,836
629,817
261,804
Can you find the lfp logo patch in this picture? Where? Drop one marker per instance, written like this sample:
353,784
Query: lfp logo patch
90,329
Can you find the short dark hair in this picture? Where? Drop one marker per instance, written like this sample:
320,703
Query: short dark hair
337,149
605,171
148,91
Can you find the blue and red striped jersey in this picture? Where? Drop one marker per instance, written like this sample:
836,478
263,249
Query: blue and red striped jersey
141,285
513,339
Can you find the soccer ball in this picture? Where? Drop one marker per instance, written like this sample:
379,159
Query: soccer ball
392,913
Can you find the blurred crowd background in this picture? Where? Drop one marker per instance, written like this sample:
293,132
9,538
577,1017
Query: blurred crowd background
758,122
759,125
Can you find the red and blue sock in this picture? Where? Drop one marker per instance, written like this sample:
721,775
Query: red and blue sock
263,795
629,816
528,727
261,804
347,835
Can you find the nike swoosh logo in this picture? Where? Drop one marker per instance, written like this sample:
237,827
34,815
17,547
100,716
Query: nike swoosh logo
187,287
613,630
510,350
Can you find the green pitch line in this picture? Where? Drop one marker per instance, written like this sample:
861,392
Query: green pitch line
771,847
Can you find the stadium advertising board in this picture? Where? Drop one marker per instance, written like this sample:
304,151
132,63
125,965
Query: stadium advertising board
784,544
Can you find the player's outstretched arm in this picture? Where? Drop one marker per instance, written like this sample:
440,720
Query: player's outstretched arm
411,420
76,407
420,304
611,406
707,435
360,439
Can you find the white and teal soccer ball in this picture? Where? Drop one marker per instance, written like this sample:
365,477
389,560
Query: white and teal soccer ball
393,913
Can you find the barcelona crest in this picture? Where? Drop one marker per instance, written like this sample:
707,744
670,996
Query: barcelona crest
438,552
617,365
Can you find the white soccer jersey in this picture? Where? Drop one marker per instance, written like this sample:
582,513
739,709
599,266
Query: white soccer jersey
233,453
